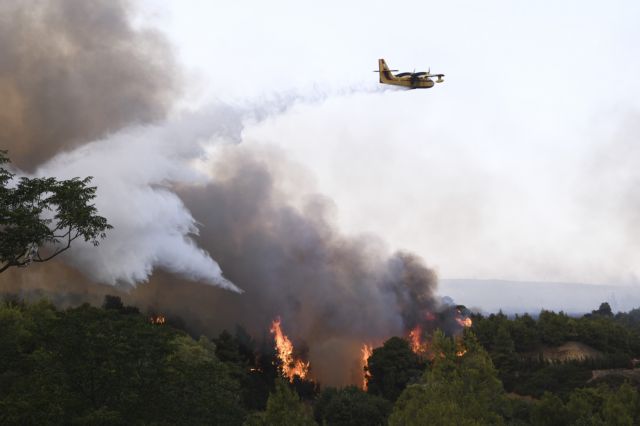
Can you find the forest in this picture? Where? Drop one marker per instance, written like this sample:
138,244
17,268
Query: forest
116,365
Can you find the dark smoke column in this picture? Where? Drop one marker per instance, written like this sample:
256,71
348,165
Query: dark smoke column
333,291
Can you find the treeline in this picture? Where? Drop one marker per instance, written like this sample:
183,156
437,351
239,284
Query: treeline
90,365
600,329
518,347
112,365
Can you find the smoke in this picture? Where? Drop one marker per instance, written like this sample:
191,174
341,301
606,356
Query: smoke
72,71
85,92
277,239
189,197
135,171
192,190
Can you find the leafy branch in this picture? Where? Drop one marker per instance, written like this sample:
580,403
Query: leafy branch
41,217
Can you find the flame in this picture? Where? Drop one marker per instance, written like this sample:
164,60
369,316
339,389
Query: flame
461,350
464,322
157,319
367,350
415,340
290,367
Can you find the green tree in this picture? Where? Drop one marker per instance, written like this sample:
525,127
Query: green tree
524,332
585,405
504,356
622,407
284,408
392,367
256,383
32,389
606,334
199,388
108,366
110,363
351,406
603,406
485,328
550,411
554,327
41,217
604,310
460,390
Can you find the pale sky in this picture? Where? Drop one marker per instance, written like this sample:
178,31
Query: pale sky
522,165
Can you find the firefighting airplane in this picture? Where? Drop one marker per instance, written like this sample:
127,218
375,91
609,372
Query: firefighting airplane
412,80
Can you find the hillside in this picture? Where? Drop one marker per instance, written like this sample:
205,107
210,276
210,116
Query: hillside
117,365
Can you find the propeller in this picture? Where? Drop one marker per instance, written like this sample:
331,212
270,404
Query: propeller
414,76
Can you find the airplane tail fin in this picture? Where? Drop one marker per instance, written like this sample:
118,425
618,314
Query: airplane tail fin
382,65
385,72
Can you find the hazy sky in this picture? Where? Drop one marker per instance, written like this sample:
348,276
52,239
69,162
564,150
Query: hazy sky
522,165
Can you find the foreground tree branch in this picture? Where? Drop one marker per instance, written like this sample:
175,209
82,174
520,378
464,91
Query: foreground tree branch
36,212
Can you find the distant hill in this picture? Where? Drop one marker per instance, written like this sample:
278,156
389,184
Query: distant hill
523,296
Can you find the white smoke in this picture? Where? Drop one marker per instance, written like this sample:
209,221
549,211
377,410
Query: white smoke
135,172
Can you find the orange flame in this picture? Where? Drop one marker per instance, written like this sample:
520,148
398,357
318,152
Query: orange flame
464,322
157,319
290,367
415,340
366,353
461,349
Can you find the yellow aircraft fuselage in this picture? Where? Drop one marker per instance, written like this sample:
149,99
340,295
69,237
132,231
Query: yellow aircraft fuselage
407,79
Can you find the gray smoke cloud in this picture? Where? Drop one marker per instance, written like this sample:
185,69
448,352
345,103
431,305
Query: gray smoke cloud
78,80
72,71
188,195
258,215
279,243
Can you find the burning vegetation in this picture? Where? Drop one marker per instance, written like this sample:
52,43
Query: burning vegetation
290,366
452,319
415,339
449,318
468,372
462,317
367,351
157,319
352,289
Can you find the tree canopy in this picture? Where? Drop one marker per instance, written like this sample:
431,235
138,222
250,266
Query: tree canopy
114,365
88,365
391,367
351,406
461,388
41,217
284,408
